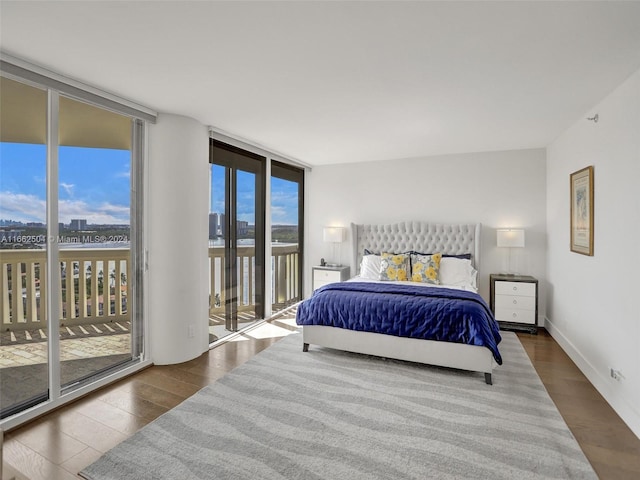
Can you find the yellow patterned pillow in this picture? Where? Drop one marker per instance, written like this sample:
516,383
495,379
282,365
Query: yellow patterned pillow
394,266
426,268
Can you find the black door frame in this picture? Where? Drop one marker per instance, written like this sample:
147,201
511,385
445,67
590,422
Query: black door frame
234,159
296,175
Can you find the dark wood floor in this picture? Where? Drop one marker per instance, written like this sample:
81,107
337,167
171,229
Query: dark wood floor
62,443
611,447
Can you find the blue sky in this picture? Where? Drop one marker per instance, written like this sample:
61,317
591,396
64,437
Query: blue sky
94,185
284,197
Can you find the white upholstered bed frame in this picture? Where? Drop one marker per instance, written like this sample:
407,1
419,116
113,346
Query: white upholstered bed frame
452,239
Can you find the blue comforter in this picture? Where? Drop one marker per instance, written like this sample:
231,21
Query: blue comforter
429,313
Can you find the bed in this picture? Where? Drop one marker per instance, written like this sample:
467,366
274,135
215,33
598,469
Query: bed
333,316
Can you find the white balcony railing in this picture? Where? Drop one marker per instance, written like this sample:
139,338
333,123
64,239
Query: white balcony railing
87,276
284,277
83,293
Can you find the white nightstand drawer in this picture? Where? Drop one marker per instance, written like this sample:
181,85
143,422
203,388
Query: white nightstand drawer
516,301
516,288
515,315
326,276
322,276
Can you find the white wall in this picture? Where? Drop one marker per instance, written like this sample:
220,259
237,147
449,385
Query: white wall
592,306
497,189
178,207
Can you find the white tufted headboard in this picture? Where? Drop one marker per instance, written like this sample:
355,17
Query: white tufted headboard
451,239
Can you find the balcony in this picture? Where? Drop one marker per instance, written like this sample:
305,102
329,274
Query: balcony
82,299
95,323
284,279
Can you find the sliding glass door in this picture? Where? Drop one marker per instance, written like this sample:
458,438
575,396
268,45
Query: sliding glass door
287,207
94,232
236,240
24,332
70,247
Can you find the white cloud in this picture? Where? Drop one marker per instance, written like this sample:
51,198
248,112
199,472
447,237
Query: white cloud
22,208
29,208
94,214
279,215
68,188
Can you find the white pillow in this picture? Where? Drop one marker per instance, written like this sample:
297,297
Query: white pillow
457,272
370,267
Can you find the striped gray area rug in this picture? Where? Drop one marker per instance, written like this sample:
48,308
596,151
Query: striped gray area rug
327,414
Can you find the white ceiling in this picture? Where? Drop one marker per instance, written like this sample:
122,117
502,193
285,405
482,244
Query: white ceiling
333,82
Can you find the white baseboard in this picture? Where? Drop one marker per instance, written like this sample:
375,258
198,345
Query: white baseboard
601,382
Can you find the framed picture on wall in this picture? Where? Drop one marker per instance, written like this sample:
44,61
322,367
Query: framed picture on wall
582,211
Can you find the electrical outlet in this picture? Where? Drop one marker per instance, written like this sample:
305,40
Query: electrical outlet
615,374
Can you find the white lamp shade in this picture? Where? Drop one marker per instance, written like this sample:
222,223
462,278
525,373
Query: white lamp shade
333,234
512,237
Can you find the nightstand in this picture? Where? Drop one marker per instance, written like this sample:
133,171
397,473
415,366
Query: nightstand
514,301
323,275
